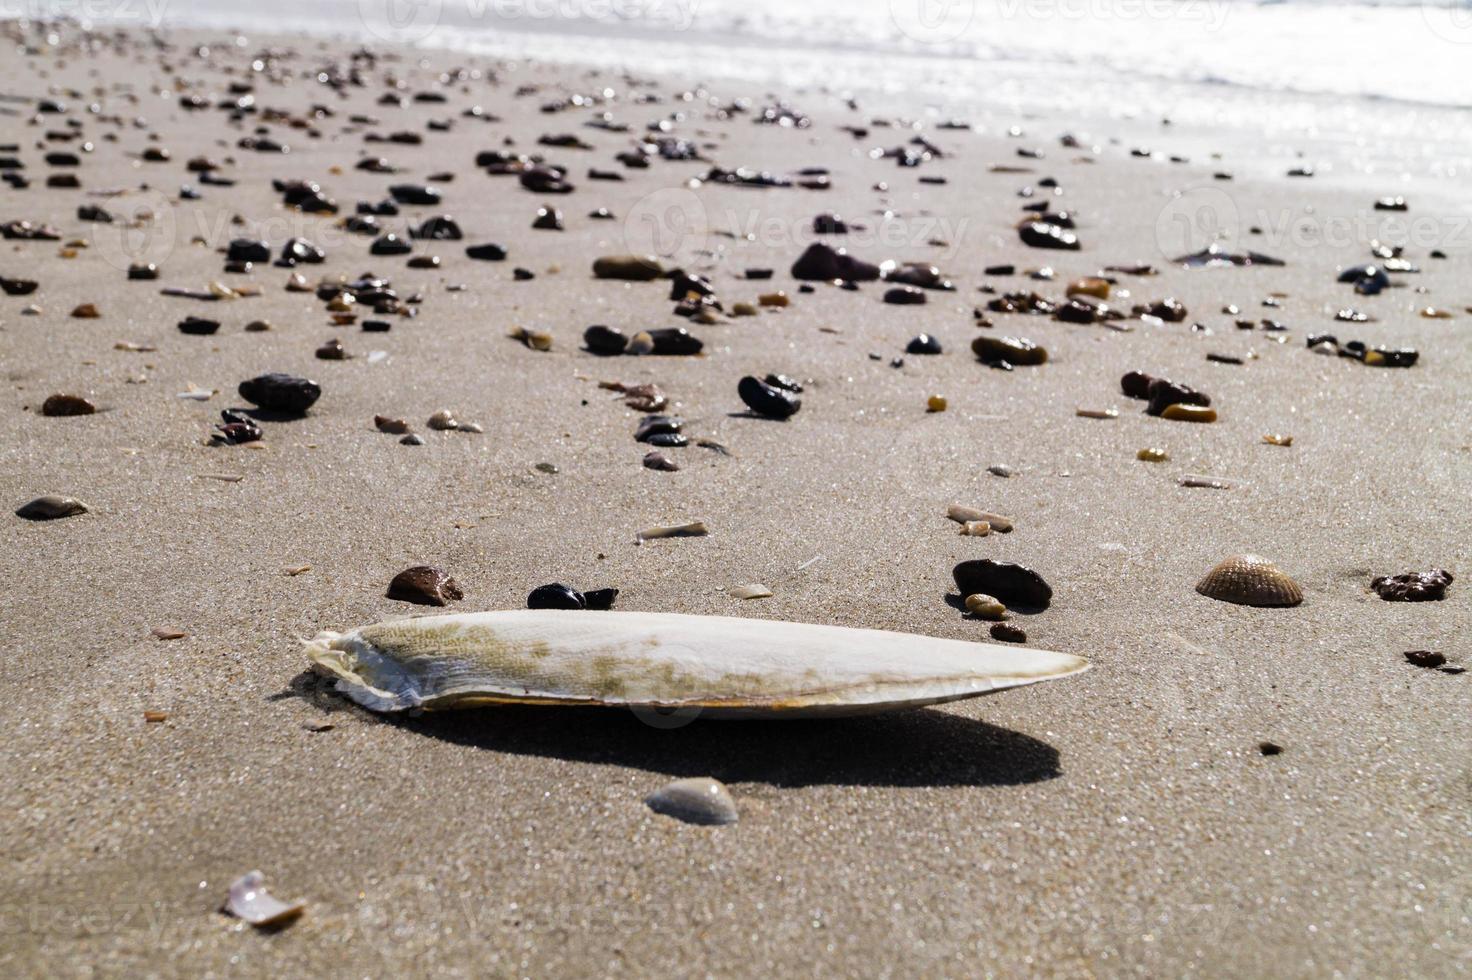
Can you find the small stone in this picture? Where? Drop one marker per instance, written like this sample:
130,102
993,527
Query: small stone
86,311
425,585
1042,234
1429,586
700,800
923,344
548,219
823,262
1269,748
395,427
777,299
489,252
1429,659
555,596
1016,585
985,607
674,341
632,268
143,271
936,403
443,421
1275,439
283,393
50,508
767,400
605,341
656,460
198,326
1151,455
1092,286
58,406
258,326
412,439
1189,413
1008,633
1008,351
999,469
905,296
600,600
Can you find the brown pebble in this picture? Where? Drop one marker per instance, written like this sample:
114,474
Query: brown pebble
1269,748
154,717
657,460
164,633
426,585
1429,659
63,405
332,351
1008,633
392,426
50,508
1429,586
87,311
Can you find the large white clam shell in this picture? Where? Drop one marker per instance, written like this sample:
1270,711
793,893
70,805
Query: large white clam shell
724,666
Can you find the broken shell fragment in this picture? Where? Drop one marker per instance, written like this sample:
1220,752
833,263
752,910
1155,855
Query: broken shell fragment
726,667
976,529
50,508
249,900
1097,413
695,529
1273,439
753,590
1249,580
701,800
443,421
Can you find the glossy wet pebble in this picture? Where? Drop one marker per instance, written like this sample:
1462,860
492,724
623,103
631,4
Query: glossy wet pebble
631,268
767,400
50,508
1008,351
555,596
985,607
1014,584
700,800
284,393
1008,633
605,341
425,585
923,344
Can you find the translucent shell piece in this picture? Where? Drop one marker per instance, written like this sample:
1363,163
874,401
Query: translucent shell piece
726,667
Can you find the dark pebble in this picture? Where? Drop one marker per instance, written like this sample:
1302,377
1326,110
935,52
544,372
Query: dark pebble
600,600
143,271
1164,393
905,296
390,244
548,219
1429,659
490,252
441,228
923,344
198,326
332,350
605,341
1007,351
823,262
1040,234
1008,633
18,287
1016,585
784,382
416,194
60,406
376,326
50,508
767,400
248,250
425,585
656,460
555,596
676,341
283,393
653,426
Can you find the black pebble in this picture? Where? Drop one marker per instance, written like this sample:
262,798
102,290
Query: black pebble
1016,585
765,399
555,596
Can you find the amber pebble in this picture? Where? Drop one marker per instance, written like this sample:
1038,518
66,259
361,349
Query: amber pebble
936,403
1092,286
87,311
778,299
1273,439
1152,455
426,585
1189,413
1008,633
392,426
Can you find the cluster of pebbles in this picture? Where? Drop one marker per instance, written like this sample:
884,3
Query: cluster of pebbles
410,221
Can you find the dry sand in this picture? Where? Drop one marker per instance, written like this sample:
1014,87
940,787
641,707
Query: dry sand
1121,823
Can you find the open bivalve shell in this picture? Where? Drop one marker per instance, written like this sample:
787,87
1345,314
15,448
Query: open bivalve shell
1249,580
726,667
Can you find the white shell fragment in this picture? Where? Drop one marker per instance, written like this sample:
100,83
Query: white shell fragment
724,666
695,529
976,529
700,800
752,590
249,900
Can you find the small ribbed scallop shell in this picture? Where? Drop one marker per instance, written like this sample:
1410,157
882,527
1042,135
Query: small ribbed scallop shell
1249,580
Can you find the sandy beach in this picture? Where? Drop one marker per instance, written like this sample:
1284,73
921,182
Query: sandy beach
1126,822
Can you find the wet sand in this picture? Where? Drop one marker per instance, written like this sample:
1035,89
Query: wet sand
1124,822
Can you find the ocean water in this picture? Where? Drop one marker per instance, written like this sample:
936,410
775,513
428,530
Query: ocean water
1375,88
